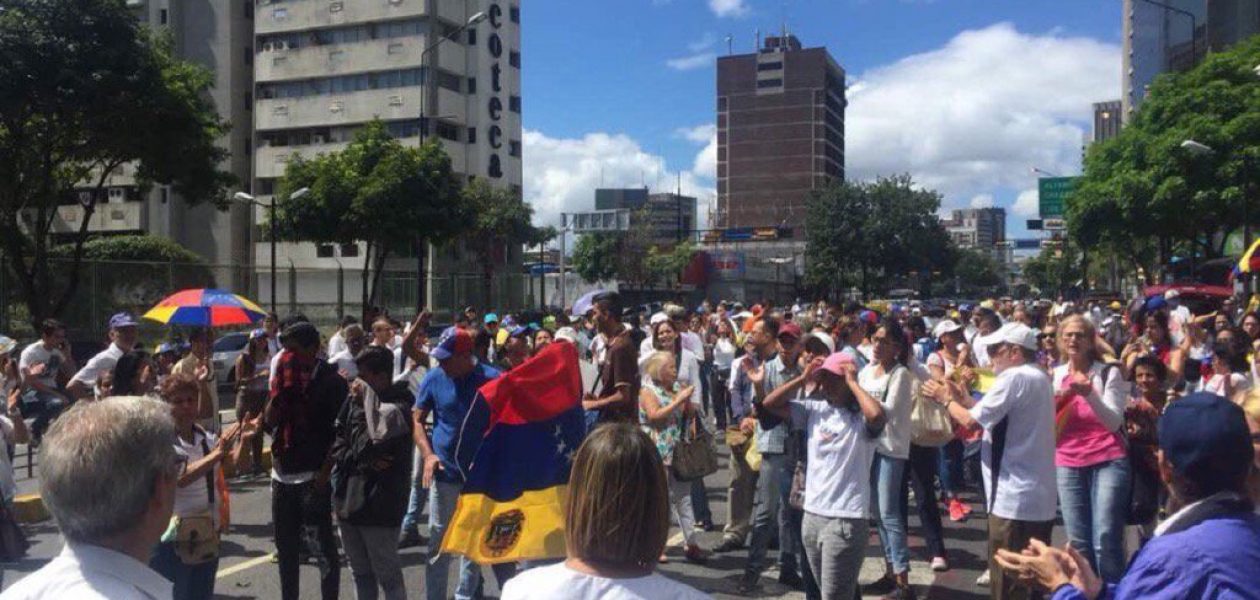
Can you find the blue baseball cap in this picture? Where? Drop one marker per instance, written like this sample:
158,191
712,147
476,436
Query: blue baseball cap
1155,303
491,318
122,319
454,340
257,333
520,330
1206,439
965,307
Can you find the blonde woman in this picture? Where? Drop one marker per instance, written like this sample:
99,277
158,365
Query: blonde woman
1090,455
665,409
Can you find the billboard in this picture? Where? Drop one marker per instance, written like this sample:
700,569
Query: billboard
728,265
1052,195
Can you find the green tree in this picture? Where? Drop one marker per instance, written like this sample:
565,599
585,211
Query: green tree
1143,194
88,92
664,265
867,234
596,256
977,272
1054,270
381,193
501,221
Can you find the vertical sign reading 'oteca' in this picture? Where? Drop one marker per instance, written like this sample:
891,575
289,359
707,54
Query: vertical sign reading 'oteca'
495,135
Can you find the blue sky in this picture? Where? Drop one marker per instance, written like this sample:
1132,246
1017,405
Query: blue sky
965,95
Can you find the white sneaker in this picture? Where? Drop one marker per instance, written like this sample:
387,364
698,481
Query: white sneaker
939,564
983,579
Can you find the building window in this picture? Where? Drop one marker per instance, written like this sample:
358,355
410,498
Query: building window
514,13
447,131
249,56
335,7
472,36
448,80
249,9
722,103
349,250
323,251
514,59
514,148
770,66
162,17
769,83
472,85
472,135
279,14
514,104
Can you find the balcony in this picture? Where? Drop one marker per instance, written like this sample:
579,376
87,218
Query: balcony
354,108
271,161
311,14
359,57
109,217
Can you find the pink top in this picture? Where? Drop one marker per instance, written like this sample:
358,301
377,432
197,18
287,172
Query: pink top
1082,439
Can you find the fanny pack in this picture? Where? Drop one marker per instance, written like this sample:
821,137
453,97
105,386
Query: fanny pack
195,538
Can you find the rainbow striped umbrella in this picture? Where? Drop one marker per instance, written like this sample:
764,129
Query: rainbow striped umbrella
205,308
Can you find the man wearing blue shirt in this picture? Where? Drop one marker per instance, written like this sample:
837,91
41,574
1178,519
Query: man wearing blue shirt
1208,548
447,392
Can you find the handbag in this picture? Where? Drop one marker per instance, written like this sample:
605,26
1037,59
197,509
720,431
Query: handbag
753,457
196,539
694,456
930,425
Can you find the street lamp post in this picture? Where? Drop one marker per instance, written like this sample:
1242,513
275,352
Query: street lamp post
271,218
424,127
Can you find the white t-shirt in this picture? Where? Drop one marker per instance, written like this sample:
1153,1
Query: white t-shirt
8,483
559,582
841,448
336,344
688,373
895,391
102,362
344,361
1026,488
193,499
38,353
723,353
691,342
1216,384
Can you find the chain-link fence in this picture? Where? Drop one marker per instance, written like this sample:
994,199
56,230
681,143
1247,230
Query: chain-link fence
323,295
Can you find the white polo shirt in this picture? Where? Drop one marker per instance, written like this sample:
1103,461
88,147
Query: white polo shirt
86,572
102,362
1026,482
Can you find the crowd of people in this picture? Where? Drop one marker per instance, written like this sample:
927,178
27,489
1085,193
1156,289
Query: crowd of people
1139,419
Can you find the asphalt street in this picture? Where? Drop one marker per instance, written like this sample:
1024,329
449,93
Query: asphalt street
246,569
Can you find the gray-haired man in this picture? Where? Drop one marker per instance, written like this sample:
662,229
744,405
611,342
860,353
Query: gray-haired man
108,544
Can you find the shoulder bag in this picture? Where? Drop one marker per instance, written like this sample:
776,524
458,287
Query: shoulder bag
694,456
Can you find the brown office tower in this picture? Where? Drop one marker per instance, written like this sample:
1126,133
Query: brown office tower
780,132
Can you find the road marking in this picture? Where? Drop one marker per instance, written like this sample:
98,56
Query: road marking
237,568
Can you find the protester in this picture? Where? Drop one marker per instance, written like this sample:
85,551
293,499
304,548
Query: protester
1017,453
252,372
188,553
725,347
516,349
134,374
354,339
1141,419
371,474
762,340
1251,408
447,393
842,424
770,517
616,525
1155,341
619,372
888,379
542,338
300,415
1092,467
121,449
665,412
272,325
337,341
45,366
1209,547
199,366
13,431
122,337
952,361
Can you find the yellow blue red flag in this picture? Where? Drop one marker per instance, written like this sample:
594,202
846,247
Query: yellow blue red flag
511,507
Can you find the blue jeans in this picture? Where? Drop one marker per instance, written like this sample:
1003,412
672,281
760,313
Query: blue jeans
950,468
771,515
700,502
886,477
1095,502
44,406
192,582
419,495
442,499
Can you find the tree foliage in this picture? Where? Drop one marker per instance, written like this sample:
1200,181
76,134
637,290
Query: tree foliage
664,265
976,272
138,248
375,191
596,256
87,93
865,234
1054,270
501,221
1142,193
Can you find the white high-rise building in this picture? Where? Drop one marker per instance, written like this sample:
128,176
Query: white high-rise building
324,68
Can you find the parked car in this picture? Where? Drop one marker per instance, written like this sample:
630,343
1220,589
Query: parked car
224,353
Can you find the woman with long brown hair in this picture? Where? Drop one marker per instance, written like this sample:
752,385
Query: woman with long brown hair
253,368
616,525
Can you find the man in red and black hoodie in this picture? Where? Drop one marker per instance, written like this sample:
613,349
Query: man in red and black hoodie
306,394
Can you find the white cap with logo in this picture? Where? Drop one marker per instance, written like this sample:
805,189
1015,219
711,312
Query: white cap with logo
1011,333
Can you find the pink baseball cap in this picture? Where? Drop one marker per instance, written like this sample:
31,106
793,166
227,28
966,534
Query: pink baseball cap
836,362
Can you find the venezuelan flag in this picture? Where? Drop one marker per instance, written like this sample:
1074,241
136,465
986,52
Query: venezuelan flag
512,505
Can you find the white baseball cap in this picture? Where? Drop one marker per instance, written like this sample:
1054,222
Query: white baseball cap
944,327
825,339
658,318
1170,294
1011,333
568,334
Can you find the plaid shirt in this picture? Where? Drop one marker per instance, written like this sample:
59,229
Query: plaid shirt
288,389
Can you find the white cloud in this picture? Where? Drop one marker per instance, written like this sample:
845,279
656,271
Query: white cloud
729,8
561,174
700,134
704,43
983,201
691,61
972,116
1026,204
705,164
